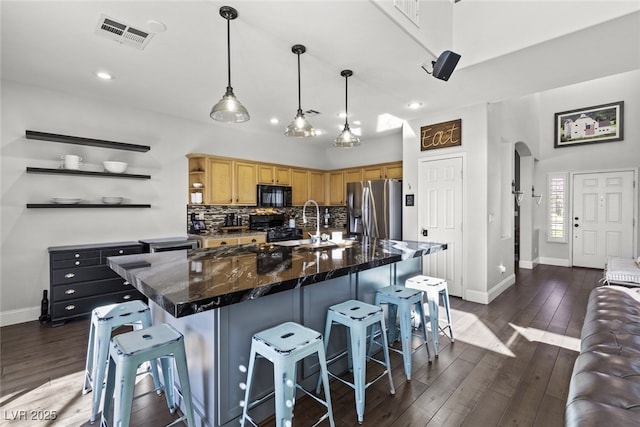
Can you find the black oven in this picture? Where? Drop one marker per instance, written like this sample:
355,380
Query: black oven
274,196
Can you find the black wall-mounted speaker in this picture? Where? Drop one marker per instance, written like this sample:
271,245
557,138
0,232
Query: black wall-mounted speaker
445,64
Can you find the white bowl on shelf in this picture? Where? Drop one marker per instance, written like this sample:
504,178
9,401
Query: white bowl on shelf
115,167
197,185
112,200
66,200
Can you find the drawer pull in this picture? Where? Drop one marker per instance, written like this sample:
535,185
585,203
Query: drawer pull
77,263
223,243
126,297
70,291
69,275
77,255
120,251
253,240
125,283
70,307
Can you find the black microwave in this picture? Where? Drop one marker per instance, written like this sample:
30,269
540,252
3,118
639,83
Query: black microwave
274,196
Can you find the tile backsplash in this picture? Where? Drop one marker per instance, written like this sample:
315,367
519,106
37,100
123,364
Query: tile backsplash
214,215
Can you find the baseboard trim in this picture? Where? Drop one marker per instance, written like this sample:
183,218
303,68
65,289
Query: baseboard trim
559,262
23,315
487,297
527,265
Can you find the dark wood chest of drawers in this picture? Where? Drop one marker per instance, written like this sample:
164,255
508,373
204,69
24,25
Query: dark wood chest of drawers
81,280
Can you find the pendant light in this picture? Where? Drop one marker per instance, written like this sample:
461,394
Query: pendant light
229,109
299,127
346,139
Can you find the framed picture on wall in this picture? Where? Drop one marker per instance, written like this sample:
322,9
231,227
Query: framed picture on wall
600,123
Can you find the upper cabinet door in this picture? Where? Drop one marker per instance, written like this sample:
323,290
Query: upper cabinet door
337,188
266,174
245,184
220,181
316,186
393,171
283,175
300,186
353,175
371,173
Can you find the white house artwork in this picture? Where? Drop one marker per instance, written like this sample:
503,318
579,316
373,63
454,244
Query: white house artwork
584,126
602,123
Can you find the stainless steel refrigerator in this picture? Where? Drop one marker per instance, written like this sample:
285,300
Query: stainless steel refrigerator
374,208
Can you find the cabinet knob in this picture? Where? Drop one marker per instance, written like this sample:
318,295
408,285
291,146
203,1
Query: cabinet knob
125,283
253,240
126,297
77,255
121,251
77,263
223,243
70,307
69,275
70,291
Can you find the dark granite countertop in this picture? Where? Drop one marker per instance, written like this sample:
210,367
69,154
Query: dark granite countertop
185,282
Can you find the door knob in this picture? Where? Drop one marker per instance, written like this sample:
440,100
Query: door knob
576,225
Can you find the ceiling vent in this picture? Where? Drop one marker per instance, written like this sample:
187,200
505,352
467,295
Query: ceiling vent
311,113
122,33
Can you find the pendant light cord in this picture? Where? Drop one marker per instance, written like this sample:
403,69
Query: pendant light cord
346,97
299,96
229,88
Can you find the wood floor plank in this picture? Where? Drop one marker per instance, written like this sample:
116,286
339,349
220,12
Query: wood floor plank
510,365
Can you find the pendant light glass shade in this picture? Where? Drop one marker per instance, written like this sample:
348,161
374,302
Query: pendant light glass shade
299,127
346,139
229,109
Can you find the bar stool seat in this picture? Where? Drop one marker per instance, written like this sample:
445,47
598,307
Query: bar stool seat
434,289
284,346
400,301
357,316
127,352
104,320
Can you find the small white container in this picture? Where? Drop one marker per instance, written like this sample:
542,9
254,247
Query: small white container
336,236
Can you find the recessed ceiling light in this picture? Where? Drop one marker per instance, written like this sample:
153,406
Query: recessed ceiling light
319,132
156,26
357,122
104,75
274,121
415,105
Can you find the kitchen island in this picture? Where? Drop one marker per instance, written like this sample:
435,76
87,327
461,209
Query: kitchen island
218,298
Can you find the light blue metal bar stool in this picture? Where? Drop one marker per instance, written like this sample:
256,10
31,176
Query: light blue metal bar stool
400,300
357,316
103,321
127,352
284,346
434,289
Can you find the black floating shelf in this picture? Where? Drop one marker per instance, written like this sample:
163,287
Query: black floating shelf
65,139
84,205
86,173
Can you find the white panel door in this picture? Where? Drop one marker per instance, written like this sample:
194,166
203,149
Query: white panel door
602,217
440,218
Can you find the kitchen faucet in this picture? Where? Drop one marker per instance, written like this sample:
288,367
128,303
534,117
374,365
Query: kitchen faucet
304,216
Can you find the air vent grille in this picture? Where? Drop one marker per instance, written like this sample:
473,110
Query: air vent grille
410,9
122,33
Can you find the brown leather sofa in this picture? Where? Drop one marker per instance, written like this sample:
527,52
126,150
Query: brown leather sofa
605,384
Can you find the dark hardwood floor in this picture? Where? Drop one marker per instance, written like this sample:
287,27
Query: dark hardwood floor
509,366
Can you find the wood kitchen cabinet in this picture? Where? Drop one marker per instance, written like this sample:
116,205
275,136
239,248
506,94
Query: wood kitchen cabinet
229,182
353,175
300,186
316,186
274,174
220,183
215,242
337,188
245,181
383,171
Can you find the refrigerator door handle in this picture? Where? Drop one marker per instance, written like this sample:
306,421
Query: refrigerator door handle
366,199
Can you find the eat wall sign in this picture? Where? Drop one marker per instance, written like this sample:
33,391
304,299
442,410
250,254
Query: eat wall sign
441,135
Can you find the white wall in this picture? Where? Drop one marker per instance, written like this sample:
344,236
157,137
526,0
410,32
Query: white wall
27,233
474,147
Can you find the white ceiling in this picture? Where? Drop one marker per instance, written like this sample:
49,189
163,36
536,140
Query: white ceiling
509,49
